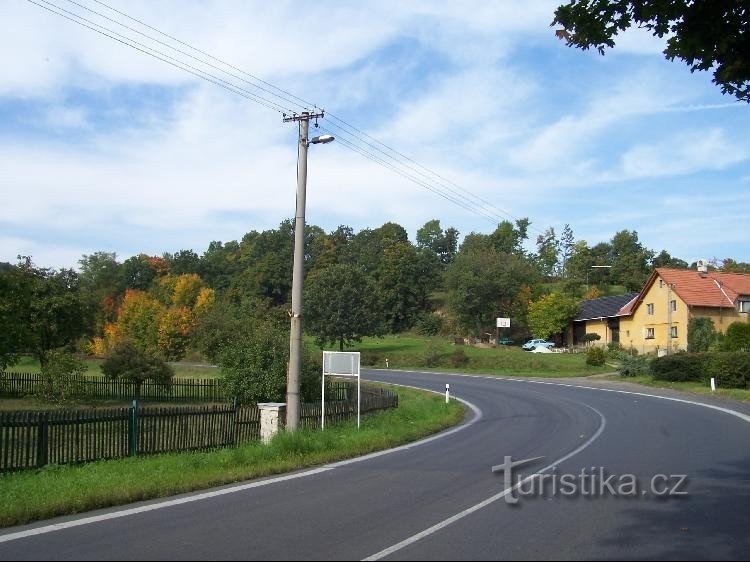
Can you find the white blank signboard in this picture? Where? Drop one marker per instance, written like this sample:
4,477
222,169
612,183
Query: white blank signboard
343,364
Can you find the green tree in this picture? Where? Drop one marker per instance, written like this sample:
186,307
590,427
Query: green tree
631,261
548,252
341,306
59,376
701,334
254,364
707,35
551,314
443,244
128,362
737,337
483,283
45,309
664,259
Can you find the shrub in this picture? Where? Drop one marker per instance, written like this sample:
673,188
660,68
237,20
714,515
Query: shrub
701,335
136,365
433,356
588,338
596,357
458,358
731,370
737,337
681,367
59,373
369,358
633,366
429,324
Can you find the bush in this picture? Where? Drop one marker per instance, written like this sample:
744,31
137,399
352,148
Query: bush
59,373
588,338
135,365
731,370
633,366
429,324
701,335
433,356
681,367
596,357
737,337
369,358
458,358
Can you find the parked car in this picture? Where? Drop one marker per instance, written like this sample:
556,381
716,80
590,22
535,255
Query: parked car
531,344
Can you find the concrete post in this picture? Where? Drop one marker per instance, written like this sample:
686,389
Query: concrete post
272,416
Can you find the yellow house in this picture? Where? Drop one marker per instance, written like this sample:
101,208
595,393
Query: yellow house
657,318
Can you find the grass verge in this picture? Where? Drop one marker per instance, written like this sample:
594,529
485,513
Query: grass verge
62,490
693,387
93,367
410,352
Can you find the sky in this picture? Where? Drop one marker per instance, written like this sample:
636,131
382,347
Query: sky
104,148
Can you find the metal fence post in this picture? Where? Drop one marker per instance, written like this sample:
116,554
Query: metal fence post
133,429
42,454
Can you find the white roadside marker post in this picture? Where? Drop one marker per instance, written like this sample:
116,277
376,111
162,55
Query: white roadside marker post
447,393
713,384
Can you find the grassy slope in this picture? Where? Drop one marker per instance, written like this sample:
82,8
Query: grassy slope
694,387
52,491
407,352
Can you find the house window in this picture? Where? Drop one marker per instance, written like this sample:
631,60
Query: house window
661,283
744,306
673,331
650,333
673,305
650,309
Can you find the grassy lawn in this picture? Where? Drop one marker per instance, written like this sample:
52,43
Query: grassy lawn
408,352
694,387
184,371
59,490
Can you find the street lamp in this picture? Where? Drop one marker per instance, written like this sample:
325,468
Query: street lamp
298,272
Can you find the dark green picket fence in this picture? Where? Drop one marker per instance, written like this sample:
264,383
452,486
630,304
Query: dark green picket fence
34,439
17,385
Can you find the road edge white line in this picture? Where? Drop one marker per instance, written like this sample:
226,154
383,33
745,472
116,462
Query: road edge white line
465,513
478,414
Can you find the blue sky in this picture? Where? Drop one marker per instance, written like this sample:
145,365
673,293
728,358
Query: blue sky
105,148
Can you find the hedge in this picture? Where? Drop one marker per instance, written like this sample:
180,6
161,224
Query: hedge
730,369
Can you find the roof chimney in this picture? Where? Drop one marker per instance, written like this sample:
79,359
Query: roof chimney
703,268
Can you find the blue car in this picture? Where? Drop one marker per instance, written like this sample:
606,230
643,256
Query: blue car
533,344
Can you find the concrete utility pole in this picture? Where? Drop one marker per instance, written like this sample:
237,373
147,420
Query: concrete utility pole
298,273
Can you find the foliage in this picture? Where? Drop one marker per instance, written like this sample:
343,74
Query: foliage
596,357
254,364
458,358
551,314
59,375
429,324
175,331
341,306
730,369
483,283
442,244
43,309
633,366
701,334
706,35
136,365
433,354
138,319
591,337
737,337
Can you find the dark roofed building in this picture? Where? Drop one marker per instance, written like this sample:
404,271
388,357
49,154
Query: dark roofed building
600,316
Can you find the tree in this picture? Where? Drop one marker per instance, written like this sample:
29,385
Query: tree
483,283
551,314
59,376
631,261
442,243
664,259
254,364
567,247
175,332
701,334
548,252
138,320
43,310
341,306
737,337
127,362
705,34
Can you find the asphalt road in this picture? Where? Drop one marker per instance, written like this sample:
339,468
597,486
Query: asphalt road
440,500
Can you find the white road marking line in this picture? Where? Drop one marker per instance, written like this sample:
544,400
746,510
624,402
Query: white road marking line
465,513
240,488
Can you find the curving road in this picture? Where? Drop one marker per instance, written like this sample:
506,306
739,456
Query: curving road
440,500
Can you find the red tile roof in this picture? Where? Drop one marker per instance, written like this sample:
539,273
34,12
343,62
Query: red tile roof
712,289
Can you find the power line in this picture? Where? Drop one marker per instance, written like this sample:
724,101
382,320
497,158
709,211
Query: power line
391,158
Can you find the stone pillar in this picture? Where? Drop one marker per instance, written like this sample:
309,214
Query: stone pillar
272,416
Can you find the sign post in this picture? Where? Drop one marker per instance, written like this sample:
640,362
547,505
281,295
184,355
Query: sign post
501,323
342,364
